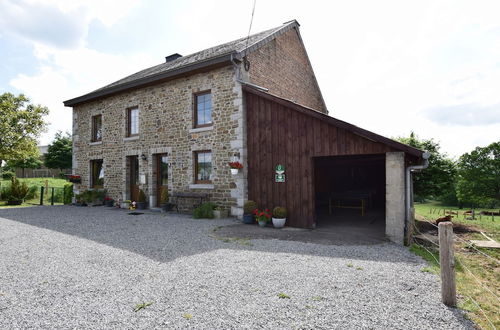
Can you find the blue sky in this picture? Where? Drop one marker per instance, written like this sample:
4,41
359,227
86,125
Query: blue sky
388,66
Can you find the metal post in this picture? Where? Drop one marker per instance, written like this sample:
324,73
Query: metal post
447,262
52,196
41,195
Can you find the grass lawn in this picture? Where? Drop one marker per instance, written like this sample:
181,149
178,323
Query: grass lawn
56,183
52,182
477,269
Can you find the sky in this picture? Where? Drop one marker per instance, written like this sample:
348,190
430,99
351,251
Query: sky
392,67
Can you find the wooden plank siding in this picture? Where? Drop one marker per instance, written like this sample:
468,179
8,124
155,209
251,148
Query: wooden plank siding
281,133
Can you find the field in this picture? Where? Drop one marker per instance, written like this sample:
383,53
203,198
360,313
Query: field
477,269
55,183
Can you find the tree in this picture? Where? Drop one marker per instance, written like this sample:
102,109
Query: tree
479,176
438,179
30,162
59,153
20,124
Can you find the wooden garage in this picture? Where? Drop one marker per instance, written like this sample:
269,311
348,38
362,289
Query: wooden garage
281,132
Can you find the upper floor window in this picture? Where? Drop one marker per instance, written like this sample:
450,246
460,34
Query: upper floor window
96,128
203,109
97,173
203,166
132,121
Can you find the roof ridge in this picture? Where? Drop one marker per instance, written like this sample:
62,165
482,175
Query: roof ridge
215,55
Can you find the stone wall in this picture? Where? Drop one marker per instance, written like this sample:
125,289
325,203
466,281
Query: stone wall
166,125
282,66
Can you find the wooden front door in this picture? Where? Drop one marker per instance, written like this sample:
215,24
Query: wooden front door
161,175
133,172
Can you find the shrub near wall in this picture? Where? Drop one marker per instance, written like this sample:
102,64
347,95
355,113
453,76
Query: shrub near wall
68,193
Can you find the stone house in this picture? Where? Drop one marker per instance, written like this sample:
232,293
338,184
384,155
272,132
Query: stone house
177,125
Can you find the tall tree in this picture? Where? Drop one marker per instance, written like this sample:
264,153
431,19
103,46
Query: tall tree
479,176
439,178
59,153
20,124
30,162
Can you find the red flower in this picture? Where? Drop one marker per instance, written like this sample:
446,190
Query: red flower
236,165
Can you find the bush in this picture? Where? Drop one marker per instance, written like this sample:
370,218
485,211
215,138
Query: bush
142,196
68,193
32,192
249,207
18,190
164,196
63,176
205,210
279,212
5,193
8,175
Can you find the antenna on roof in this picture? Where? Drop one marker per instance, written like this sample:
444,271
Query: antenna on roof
246,63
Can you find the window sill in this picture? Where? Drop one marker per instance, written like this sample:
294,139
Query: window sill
131,138
201,186
201,129
95,143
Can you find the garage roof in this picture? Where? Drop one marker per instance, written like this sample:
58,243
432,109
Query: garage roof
336,122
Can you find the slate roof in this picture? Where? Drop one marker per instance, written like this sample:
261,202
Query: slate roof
218,54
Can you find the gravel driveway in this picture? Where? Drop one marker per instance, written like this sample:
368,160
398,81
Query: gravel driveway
73,267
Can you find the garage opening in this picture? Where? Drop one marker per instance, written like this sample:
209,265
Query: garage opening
350,195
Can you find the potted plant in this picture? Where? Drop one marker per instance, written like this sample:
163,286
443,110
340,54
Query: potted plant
18,191
262,216
248,209
108,201
141,200
164,204
219,212
97,197
235,167
279,217
125,204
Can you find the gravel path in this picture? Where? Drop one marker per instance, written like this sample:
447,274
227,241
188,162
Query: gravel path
73,267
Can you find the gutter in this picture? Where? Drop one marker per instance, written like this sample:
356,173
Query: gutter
409,184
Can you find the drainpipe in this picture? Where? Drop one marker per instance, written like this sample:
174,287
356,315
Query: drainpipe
426,155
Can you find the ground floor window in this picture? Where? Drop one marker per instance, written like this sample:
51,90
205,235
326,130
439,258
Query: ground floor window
203,166
96,173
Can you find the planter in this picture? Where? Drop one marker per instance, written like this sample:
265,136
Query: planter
262,223
279,222
234,171
218,214
15,202
248,218
125,205
141,205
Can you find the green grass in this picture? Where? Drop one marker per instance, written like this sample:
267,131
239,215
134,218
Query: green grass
486,270
52,182
430,256
486,223
282,295
38,182
138,307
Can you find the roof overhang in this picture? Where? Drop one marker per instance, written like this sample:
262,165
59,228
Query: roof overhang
193,68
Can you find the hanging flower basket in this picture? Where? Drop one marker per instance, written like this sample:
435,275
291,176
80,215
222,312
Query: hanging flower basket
235,167
74,178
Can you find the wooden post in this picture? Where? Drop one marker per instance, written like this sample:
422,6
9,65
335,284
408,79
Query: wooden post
41,195
447,262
